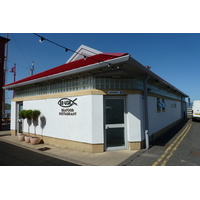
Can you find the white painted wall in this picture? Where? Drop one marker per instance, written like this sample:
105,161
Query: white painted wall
134,117
86,126
158,121
13,124
97,119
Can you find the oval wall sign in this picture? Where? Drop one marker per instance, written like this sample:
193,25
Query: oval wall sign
65,102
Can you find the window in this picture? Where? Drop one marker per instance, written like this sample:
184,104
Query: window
161,105
56,86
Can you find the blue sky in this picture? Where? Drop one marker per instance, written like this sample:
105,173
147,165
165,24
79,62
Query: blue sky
172,56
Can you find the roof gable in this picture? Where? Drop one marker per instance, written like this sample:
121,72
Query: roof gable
83,51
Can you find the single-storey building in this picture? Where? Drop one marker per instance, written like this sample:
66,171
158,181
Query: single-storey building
97,102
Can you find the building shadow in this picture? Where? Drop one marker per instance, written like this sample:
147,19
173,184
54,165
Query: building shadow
43,123
168,135
12,155
5,127
5,130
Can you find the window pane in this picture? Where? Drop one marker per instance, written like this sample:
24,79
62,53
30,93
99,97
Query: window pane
114,111
115,137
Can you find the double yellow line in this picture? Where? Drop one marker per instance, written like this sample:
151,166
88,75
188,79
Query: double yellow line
172,148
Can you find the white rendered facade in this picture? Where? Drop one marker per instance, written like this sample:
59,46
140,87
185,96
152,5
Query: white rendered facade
98,106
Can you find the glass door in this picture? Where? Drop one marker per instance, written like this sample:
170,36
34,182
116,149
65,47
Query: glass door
115,128
19,119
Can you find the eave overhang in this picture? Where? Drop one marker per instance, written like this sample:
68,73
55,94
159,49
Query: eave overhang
130,65
71,72
143,71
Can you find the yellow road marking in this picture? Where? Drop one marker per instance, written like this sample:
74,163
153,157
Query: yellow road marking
174,149
170,147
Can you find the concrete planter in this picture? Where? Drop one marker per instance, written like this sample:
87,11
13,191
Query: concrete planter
21,137
27,138
35,140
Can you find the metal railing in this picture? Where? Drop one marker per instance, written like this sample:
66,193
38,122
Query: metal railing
189,112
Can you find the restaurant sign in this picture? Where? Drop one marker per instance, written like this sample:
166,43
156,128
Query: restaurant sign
65,103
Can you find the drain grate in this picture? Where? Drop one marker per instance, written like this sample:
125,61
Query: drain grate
195,153
44,149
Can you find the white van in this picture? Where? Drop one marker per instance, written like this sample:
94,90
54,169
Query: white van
196,110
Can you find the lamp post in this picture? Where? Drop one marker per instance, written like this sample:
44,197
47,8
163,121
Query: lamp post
13,70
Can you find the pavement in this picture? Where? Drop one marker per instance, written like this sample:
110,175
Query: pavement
20,153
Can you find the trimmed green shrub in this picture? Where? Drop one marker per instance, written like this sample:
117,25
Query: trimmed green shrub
28,114
22,114
35,114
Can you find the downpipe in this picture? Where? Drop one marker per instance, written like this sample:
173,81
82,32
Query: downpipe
146,138
146,116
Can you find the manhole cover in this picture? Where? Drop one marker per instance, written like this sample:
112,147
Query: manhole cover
44,149
195,153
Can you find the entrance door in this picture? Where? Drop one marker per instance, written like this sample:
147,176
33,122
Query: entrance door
115,126
19,119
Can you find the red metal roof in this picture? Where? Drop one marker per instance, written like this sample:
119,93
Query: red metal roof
72,65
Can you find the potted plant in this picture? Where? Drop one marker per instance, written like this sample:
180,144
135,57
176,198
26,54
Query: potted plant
35,115
28,115
21,136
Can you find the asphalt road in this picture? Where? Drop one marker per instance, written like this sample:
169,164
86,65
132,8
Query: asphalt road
11,155
188,152
179,147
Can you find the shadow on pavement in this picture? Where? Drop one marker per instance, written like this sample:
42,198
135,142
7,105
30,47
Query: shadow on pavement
5,127
164,139
11,155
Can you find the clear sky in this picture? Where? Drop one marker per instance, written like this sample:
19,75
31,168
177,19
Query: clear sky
172,56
